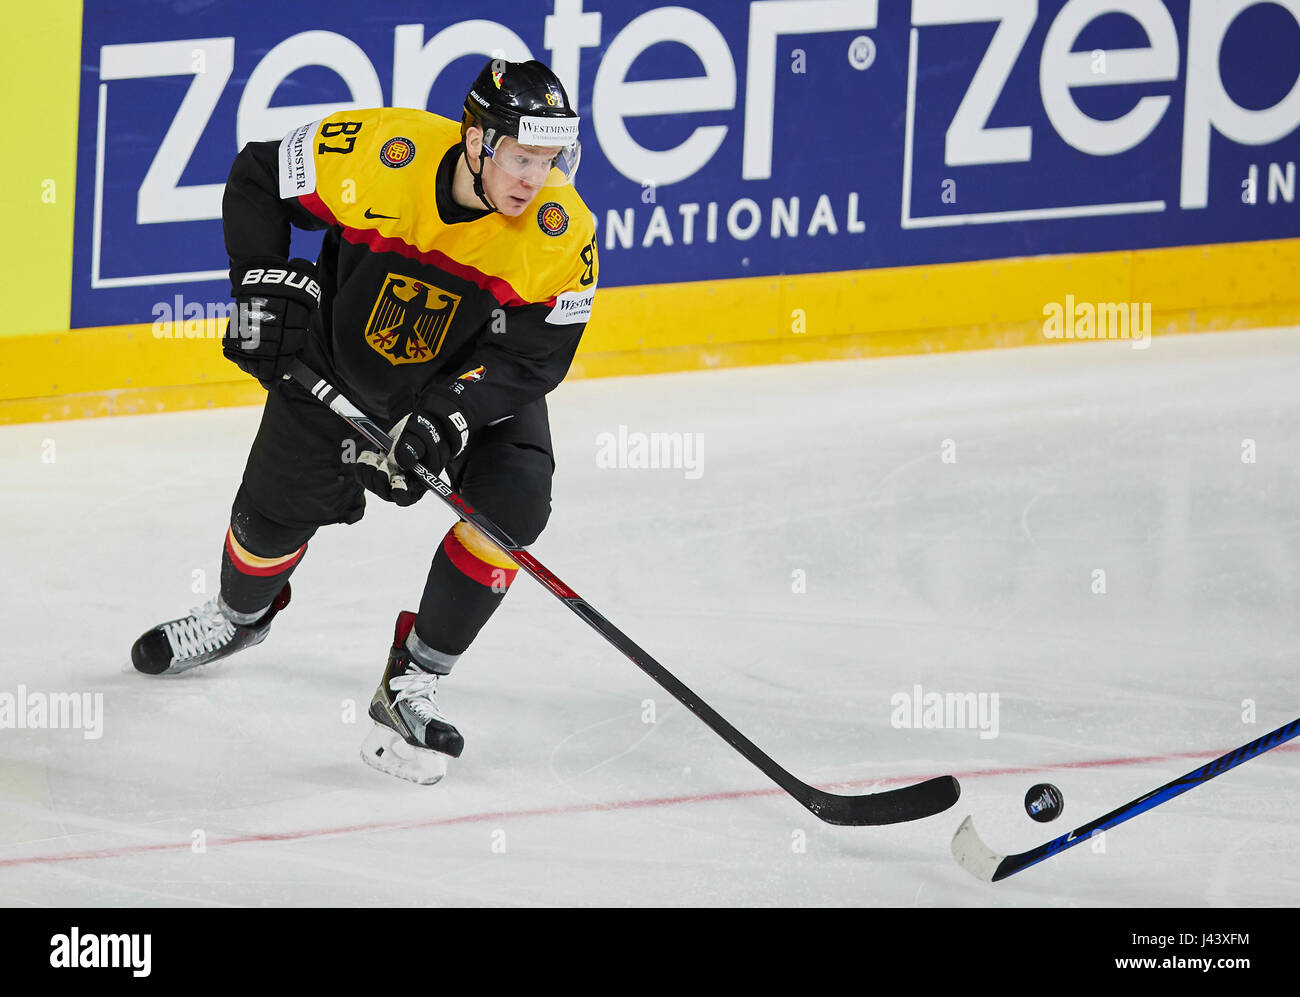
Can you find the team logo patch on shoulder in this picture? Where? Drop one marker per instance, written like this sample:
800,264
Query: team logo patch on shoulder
397,152
409,321
552,219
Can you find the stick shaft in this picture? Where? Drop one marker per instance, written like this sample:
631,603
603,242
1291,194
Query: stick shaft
903,804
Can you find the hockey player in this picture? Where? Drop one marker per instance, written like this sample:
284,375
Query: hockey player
453,284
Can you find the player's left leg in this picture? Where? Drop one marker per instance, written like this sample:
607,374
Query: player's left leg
506,473
297,479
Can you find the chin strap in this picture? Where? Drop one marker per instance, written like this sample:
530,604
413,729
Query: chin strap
478,177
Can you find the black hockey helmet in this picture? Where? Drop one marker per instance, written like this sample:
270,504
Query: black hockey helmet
526,102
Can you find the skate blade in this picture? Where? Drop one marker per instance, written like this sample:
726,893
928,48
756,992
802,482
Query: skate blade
384,749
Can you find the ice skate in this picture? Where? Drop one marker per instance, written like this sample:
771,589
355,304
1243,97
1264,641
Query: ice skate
205,635
411,738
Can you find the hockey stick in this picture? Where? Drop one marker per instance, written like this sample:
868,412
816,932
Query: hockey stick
983,863
893,806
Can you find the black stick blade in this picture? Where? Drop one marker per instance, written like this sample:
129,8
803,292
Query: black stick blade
894,806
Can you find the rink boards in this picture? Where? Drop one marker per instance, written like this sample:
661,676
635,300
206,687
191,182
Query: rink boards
772,182
137,368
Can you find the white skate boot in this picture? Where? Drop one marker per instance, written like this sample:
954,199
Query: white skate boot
411,738
208,633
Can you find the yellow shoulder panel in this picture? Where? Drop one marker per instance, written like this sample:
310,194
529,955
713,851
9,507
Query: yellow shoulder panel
547,250
363,166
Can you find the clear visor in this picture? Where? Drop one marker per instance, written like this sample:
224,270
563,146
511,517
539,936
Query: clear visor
542,166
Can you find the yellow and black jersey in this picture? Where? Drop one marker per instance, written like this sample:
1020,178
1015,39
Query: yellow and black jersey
418,291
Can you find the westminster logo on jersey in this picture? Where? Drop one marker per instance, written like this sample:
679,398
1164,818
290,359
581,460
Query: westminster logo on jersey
410,319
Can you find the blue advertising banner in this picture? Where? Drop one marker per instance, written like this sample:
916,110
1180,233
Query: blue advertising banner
723,139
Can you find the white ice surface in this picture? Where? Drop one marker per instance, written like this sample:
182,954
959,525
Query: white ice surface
970,576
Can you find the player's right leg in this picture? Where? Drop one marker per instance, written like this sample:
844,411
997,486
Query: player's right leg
506,473
254,588
296,480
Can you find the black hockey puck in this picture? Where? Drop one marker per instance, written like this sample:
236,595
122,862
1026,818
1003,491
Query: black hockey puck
1044,802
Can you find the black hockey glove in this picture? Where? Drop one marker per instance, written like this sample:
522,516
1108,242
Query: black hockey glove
274,303
380,475
436,433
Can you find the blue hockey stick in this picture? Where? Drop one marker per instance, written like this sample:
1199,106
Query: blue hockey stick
984,863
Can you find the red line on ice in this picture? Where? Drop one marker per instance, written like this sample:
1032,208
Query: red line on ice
661,801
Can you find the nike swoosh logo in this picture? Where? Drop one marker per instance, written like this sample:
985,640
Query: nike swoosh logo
371,214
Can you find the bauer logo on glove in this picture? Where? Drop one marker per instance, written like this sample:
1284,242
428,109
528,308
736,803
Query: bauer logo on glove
289,278
275,301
